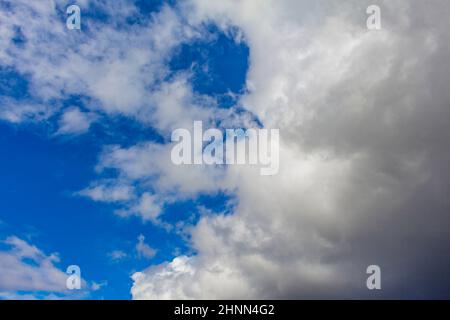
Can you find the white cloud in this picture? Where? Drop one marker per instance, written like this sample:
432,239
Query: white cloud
27,273
117,255
108,192
28,296
74,121
97,286
20,111
117,67
150,162
26,268
148,207
144,250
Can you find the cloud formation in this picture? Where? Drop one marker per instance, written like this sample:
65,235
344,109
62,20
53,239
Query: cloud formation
144,250
364,121
74,121
26,268
363,117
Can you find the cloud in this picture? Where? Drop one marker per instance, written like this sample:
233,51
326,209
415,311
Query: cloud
27,273
26,268
74,121
97,286
157,180
147,208
363,117
118,66
17,112
161,278
150,162
144,250
28,296
117,255
108,191
364,120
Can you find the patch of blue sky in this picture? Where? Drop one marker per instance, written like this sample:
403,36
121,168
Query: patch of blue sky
13,84
19,38
189,211
218,64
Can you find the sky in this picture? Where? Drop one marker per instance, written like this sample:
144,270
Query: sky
86,118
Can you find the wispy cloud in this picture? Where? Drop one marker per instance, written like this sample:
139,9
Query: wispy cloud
117,255
25,267
144,250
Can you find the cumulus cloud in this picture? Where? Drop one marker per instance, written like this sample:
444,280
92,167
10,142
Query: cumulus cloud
363,178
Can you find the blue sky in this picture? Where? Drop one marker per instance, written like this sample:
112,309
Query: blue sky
41,172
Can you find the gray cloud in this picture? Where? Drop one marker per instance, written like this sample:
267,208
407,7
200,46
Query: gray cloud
364,118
